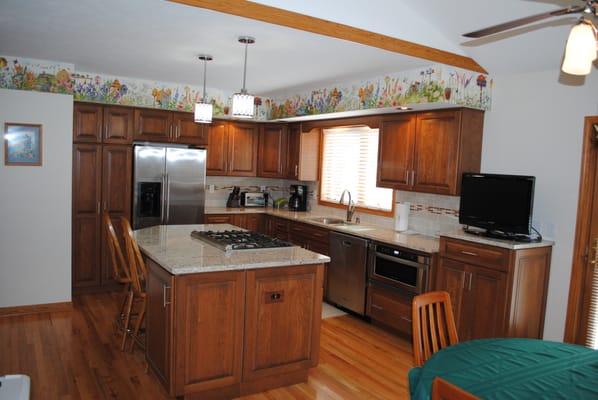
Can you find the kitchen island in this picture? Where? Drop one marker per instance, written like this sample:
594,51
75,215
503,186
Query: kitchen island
221,324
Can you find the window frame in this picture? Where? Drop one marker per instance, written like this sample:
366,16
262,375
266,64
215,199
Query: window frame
365,210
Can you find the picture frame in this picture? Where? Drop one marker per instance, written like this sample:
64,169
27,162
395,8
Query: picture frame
23,144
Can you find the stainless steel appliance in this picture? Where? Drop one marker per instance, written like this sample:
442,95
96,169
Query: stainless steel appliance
347,272
239,240
298,199
169,185
399,268
253,199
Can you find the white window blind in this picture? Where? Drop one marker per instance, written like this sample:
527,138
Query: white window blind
349,161
592,333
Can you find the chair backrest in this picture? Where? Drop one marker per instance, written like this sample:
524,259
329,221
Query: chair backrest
138,270
120,269
433,325
443,390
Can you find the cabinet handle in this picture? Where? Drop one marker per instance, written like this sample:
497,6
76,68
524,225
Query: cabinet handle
98,208
296,170
405,319
275,296
469,253
407,176
470,279
164,288
413,177
377,307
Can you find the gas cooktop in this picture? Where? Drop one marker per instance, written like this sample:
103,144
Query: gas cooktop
239,240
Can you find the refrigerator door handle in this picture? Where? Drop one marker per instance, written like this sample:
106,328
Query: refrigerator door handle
162,210
167,198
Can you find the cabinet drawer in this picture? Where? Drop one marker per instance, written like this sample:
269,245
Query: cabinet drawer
219,219
389,308
479,254
311,232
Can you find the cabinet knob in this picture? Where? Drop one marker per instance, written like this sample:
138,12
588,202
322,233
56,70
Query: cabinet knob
274,297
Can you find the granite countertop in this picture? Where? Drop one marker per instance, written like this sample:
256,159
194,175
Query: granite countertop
507,244
409,239
173,248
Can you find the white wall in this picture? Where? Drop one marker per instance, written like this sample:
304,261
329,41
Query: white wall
535,127
35,205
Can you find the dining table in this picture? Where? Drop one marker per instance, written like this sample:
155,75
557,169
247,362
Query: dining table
511,369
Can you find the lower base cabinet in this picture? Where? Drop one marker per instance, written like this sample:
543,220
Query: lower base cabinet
226,334
389,307
252,222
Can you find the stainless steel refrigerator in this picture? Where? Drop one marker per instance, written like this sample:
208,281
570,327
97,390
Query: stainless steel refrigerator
169,185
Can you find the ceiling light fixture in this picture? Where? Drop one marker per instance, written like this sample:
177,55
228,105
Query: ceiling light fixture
243,103
203,108
580,51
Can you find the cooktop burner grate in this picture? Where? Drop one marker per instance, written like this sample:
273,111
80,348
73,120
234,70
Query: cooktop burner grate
239,240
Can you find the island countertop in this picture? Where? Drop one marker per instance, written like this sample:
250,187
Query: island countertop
173,248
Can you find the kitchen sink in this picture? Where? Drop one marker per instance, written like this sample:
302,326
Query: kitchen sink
328,221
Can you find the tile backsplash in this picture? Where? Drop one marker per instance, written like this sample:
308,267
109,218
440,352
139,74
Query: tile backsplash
219,187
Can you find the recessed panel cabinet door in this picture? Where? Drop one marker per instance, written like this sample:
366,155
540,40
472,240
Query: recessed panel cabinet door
272,152
153,125
118,125
452,278
436,152
217,157
209,315
187,131
87,123
395,152
87,172
487,300
294,148
282,320
242,149
116,197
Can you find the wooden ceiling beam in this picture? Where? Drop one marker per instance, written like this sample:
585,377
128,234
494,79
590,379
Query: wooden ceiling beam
290,19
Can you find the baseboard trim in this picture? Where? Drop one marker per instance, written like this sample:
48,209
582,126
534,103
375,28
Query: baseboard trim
35,309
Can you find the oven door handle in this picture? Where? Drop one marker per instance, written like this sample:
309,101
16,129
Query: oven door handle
401,261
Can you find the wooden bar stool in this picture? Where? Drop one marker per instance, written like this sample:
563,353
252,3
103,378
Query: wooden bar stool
136,302
120,269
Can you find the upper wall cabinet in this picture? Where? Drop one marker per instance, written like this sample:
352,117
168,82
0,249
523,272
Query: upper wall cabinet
153,125
232,149
87,123
186,130
428,152
118,125
272,153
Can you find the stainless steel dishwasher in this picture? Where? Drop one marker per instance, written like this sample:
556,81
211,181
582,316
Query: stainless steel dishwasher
347,272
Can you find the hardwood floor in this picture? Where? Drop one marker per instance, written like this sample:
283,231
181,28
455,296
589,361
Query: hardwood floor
76,355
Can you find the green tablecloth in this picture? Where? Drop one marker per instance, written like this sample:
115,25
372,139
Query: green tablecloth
514,369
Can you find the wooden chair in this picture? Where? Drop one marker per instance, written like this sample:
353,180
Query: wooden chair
443,390
433,325
136,301
120,268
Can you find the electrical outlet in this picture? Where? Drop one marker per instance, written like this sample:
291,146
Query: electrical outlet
263,188
211,188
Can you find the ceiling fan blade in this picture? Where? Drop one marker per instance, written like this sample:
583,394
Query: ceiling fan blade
522,21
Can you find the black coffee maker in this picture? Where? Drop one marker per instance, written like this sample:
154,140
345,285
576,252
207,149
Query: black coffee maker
298,199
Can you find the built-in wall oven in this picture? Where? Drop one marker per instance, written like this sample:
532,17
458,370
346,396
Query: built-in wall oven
398,267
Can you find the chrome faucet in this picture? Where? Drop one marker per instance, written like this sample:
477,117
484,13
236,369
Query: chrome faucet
350,205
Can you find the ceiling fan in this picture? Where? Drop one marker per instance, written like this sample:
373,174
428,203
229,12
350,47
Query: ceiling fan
580,51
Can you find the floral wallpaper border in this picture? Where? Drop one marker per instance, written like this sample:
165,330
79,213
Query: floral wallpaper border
435,84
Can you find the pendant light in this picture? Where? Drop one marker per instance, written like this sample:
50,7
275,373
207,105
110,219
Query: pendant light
580,51
203,108
243,103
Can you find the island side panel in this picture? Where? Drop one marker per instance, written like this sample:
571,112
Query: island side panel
282,325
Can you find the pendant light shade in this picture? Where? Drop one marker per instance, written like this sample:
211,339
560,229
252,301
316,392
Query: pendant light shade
203,108
581,49
243,103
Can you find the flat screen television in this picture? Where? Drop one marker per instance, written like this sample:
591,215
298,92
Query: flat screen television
497,203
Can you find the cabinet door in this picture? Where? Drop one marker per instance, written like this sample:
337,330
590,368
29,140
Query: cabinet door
209,313
279,228
486,298
87,123
153,125
217,158
272,151
116,197
395,152
87,172
282,320
118,125
253,222
159,324
242,149
293,151
436,152
452,278
219,219
187,131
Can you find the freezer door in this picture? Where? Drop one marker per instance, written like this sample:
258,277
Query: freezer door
148,186
185,186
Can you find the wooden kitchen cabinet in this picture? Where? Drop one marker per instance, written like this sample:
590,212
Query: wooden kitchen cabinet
217,157
391,308
272,151
429,151
187,131
118,125
278,227
152,125
250,221
242,149
219,219
293,151
117,162
282,321
495,292
87,123
86,218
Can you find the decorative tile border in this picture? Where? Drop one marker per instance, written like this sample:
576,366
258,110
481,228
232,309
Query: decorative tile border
418,208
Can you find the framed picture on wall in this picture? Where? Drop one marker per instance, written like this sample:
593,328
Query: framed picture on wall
22,144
